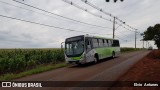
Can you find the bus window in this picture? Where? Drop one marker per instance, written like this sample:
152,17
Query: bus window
103,42
100,43
118,43
109,43
95,43
74,47
115,43
106,43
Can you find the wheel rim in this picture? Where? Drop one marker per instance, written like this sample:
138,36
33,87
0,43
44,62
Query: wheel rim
113,55
95,60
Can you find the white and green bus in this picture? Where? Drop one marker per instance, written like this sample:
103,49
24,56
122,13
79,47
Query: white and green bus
85,48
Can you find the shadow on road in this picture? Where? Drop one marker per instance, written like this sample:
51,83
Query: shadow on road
91,63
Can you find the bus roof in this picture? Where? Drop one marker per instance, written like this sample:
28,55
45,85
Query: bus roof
93,37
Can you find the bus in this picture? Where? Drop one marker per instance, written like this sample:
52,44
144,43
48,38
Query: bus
85,48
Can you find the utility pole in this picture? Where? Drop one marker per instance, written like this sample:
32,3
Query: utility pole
143,44
135,38
114,22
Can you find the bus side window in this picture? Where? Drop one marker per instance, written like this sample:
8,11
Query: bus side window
95,43
103,42
106,43
100,42
118,43
115,43
109,43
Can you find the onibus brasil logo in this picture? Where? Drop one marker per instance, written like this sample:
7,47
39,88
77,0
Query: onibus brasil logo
20,84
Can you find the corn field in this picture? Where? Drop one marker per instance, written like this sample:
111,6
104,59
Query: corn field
17,60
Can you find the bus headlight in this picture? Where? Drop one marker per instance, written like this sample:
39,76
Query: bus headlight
83,58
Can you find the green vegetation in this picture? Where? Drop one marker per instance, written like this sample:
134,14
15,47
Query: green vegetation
38,69
16,63
19,60
153,33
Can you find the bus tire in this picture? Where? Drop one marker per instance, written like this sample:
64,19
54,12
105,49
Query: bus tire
113,54
96,58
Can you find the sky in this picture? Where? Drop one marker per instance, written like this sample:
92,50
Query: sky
139,14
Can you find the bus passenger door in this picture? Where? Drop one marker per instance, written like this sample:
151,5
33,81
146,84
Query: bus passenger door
88,45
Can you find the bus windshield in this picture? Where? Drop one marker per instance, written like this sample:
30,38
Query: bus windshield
74,48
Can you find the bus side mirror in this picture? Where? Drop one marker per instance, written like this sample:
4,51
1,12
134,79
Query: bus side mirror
62,45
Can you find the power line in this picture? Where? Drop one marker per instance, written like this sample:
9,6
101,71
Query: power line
99,16
123,34
106,13
60,15
99,9
46,25
70,2
125,28
121,38
114,22
56,14
29,10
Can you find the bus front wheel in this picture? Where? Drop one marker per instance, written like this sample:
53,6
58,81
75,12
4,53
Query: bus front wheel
96,58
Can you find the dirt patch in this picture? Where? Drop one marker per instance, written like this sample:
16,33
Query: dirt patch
147,69
154,55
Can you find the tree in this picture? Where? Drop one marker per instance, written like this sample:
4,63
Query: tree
153,33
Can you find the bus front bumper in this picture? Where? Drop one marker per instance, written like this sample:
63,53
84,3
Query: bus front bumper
70,61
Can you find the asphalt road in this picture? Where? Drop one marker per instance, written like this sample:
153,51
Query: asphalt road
105,70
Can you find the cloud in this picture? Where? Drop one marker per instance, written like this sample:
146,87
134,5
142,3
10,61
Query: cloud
16,34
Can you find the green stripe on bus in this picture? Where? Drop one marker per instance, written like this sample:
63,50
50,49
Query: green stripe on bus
76,58
105,52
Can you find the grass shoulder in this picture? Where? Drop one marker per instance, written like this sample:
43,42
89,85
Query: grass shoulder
36,70
127,50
